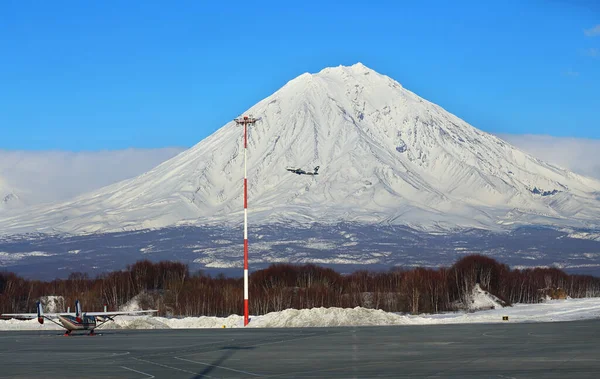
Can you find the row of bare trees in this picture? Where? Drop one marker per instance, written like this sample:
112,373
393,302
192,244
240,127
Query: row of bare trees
169,287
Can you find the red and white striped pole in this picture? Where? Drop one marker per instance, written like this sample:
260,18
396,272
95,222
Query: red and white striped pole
245,121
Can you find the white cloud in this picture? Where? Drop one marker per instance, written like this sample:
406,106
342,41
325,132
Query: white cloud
579,155
593,32
46,176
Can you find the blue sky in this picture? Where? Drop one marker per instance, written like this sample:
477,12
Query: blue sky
92,75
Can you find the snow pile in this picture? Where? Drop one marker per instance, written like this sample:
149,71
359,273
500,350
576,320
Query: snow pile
481,300
551,311
148,322
136,322
318,317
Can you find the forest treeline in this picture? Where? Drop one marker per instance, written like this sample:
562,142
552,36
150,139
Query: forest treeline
170,288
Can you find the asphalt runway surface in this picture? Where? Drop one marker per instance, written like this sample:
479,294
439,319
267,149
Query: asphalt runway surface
544,350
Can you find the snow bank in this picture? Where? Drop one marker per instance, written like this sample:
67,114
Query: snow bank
481,300
551,311
318,317
27,325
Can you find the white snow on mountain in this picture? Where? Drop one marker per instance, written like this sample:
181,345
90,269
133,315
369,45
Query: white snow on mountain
550,311
6,259
386,155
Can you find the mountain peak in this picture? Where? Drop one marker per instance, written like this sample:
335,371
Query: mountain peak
357,68
359,65
361,68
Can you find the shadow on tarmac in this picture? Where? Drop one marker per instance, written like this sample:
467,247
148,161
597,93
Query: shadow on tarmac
229,351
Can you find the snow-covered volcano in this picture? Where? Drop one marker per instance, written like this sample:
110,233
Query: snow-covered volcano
385,155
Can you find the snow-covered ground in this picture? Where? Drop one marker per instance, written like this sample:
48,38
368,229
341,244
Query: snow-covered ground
551,311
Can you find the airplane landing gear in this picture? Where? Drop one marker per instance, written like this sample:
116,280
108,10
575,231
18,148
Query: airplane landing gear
67,333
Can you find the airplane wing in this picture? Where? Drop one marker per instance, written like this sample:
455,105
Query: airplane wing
121,313
39,315
35,315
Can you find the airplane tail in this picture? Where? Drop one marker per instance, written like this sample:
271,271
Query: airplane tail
317,170
78,310
40,312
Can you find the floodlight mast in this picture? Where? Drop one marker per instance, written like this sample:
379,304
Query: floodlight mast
245,121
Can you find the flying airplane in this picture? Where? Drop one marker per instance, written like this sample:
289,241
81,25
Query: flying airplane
300,171
78,320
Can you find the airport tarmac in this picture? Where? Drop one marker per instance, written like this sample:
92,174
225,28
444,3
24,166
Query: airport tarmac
532,350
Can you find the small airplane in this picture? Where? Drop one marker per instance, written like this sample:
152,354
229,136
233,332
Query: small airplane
78,320
300,171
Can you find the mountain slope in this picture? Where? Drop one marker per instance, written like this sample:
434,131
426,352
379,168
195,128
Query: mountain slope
386,155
